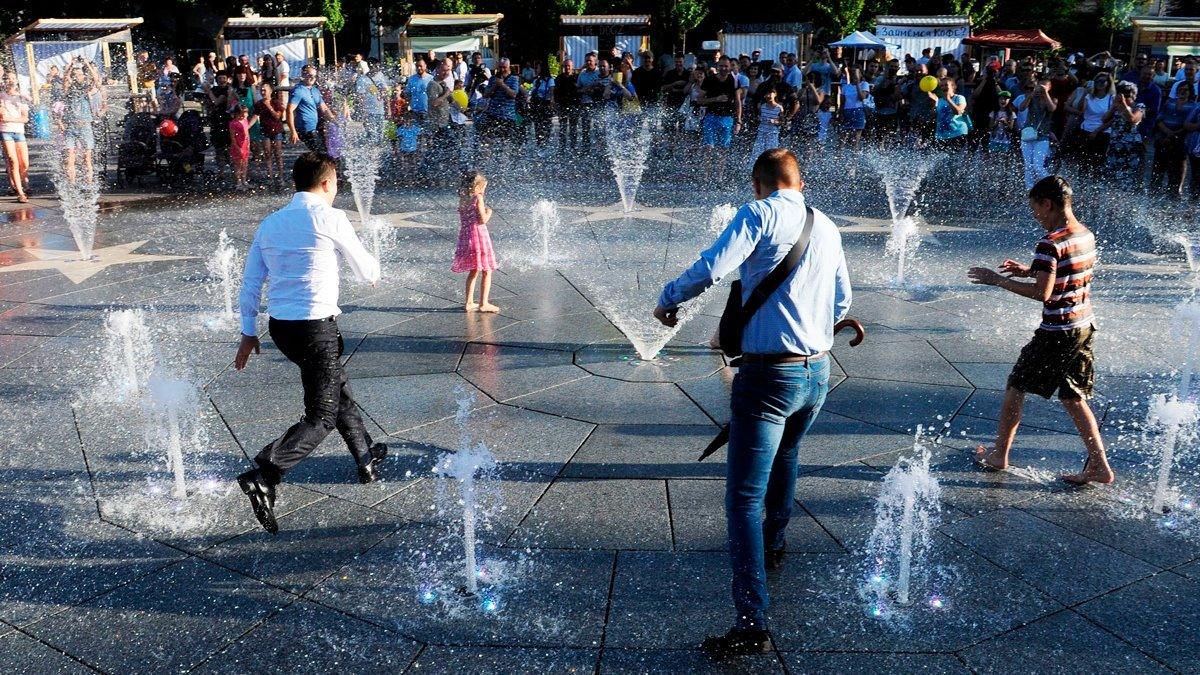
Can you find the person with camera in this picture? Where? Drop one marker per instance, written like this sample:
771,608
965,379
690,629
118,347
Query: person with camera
783,375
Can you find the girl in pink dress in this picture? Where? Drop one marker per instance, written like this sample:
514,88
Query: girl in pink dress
474,253
239,145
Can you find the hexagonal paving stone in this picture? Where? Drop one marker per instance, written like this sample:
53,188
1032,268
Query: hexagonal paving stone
604,401
1155,614
593,514
899,406
505,372
913,361
453,660
647,451
20,654
673,364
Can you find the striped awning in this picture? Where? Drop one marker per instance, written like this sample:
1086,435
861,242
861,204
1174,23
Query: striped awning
932,21
605,19
294,22
76,30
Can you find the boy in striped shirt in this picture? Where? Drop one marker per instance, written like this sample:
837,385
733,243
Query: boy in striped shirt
1059,357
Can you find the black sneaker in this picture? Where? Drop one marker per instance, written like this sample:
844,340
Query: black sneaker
774,558
262,499
366,472
737,643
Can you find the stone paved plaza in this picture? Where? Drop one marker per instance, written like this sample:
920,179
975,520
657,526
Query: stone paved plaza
606,531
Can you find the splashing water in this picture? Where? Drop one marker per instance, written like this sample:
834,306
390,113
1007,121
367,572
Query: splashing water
467,466
1191,251
722,214
907,511
1187,320
623,296
627,142
127,358
902,178
363,156
171,410
1173,421
224,268
902,243
547,221
77,187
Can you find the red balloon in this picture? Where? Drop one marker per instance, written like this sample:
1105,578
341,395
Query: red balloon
168,128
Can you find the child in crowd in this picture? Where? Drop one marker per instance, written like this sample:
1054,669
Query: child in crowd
408,136
1001,138
1059,357
474,253
334,130
239,144
769,112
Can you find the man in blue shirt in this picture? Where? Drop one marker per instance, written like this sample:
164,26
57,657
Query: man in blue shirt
417,89
590,95
783,379
305,110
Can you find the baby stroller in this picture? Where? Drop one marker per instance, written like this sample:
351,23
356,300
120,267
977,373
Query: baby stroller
182,155
135,156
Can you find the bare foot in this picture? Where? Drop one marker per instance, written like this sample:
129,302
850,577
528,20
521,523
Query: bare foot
990,460
471,306
714,342
489,308
1101,473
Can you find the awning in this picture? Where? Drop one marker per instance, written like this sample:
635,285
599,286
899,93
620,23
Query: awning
768,28
258,27
858,39
1011,38
76,30
605,20
933,21
453,24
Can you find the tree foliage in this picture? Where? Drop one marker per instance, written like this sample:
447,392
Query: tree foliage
455,6
982,12
576,7
686,15
335,21
843,16
1114,14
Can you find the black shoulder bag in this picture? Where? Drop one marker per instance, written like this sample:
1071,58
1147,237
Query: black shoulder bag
736,315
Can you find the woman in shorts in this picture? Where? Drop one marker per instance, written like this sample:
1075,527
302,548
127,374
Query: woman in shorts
14,114
267,135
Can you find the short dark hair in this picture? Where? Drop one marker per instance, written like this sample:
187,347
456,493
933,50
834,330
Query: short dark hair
777,166
1054,188
311,168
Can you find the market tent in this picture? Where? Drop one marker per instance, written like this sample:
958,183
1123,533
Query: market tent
443,33
1168,37
912,34
769,38
858,40
583,33
1013,38
298,38
55,42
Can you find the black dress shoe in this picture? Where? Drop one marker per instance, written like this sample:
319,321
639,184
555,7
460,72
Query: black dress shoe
737,643
774,558
366,472
262,499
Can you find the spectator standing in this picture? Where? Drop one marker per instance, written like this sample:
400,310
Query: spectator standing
1170,143
1096,106
953,124
590,96
541,104
1035,108
283,71
1126,150
415,90
648,81
851,95
306,107
722,118
220,99
14,115
566,102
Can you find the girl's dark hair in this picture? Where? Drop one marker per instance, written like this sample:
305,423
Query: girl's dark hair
1054,188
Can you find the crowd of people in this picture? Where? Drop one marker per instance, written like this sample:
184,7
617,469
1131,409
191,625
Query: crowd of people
1134,125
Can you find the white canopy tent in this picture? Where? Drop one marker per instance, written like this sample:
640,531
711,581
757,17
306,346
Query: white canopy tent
860,42
583,33
912,34
48,43
769,38
299,38
444,33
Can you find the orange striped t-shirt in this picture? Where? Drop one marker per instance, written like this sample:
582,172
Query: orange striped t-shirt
1069,254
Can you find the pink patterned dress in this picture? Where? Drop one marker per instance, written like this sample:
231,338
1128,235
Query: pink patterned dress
474,252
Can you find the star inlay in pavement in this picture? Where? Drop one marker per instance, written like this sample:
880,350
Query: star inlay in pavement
856,224
595,214
72,267
405,220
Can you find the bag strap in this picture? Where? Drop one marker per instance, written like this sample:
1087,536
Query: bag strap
775,279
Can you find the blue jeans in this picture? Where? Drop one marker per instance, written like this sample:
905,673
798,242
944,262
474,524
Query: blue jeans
773,407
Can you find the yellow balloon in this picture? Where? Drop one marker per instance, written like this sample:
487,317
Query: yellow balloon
460,97
618,77
929,83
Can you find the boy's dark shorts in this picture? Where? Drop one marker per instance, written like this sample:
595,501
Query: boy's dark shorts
1056,361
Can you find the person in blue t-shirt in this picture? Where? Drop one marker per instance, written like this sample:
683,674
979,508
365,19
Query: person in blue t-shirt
305,109
953,125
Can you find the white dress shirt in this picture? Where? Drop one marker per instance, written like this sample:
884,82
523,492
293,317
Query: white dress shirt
295,252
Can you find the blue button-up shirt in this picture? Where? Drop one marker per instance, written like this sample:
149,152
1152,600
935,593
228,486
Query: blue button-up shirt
799,317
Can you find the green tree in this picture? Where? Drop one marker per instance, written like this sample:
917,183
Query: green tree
455,6
576,7
335,21
843,16
686,15
981,11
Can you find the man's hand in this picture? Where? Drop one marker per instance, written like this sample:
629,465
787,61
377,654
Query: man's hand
1014,269
667,317
294,138
984,276
248,344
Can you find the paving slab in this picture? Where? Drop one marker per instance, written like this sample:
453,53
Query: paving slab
868,664
647,451
22,655
596,514
913,361
308,638
196,607
548,599
398,404
897,406
454,660
601,400
665,600
385,355
672,364
1054,644
665,661
1064,565
698,520
1155,614
506,372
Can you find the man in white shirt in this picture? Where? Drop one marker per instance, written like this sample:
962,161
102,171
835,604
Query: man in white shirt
283,71
297,249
